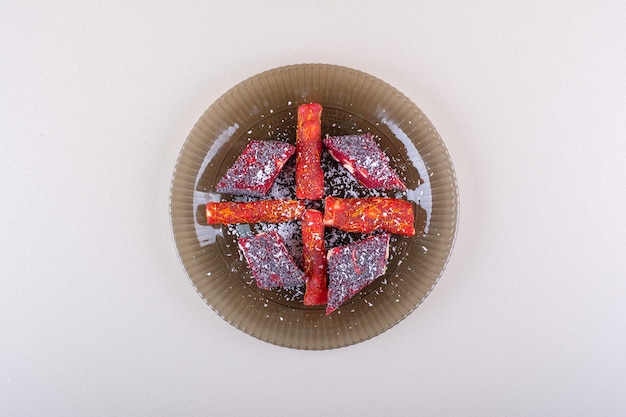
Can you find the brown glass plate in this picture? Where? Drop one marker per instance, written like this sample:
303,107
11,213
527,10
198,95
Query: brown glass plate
265,107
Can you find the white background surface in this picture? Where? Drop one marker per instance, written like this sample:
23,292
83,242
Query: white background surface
97,316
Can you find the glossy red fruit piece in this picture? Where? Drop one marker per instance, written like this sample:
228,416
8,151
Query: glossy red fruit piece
309,173
366,215
314,258
268,211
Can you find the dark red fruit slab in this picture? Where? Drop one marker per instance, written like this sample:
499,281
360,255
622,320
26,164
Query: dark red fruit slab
255,170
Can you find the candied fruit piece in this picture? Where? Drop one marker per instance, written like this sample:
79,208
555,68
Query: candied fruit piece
309,173
270,262
362,157
255,170
352,267
368,214
267,211
314,258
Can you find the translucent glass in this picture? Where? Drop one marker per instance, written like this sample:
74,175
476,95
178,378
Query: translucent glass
265,107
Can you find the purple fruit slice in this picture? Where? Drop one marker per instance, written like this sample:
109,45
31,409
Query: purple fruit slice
255,170
270,262
362,157
352,267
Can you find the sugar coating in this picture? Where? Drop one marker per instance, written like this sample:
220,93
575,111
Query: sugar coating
255,170
270,262
352,267
362,157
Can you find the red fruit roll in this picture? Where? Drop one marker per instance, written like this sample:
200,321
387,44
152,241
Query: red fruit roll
314,258
366,215
309,174
268,211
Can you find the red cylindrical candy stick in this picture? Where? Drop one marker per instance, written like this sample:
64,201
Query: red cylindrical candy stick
314,258
366,215
268,211
309,173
